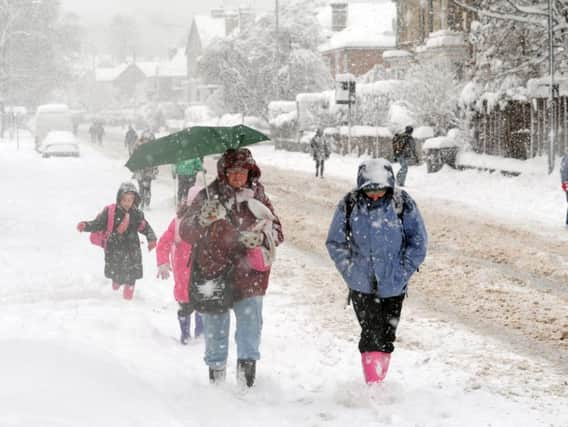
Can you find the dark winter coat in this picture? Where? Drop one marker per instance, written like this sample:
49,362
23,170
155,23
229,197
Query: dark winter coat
319,148
123,257
217,246
407,147
130,138
384,248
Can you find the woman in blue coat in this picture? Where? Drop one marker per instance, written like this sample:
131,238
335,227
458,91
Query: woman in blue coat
377,240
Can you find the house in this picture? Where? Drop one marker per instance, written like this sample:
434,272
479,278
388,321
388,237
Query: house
166,79
108,87
358,34
435,30
204,30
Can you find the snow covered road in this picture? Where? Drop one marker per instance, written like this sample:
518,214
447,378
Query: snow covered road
74,353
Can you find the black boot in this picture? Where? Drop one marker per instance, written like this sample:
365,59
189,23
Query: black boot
217,376
246,371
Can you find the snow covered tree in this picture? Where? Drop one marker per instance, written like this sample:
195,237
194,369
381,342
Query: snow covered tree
432,95
253,69
37,47
511,42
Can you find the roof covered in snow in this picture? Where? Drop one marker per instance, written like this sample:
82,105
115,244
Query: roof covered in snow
369,25
209,28
109,74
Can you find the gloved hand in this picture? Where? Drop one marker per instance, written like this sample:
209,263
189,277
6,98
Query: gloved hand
81,227
251,239
211,211
151,245
164,271
565,185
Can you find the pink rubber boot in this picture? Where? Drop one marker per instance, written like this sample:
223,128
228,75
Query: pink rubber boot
375,366
115,286
128,292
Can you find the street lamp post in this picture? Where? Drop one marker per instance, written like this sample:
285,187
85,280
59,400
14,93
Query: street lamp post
277,45
551,109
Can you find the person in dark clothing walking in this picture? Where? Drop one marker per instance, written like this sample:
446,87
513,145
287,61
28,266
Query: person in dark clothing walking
145,176
123,257
186,172
377,240
130,139
320,151
404,149
100,132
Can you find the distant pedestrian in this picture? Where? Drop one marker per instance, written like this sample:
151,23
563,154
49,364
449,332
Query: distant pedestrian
130,139
100,132
122,221
564,179
404,149
146,175
186,172
320,151
93,132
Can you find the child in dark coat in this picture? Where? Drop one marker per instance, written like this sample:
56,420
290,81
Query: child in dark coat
123,257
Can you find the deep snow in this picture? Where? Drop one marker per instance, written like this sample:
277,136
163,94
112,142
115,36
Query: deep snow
74,353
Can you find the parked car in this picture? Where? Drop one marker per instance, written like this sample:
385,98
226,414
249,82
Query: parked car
51,117
60,143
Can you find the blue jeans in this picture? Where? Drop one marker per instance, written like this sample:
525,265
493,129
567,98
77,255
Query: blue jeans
248,313
401,175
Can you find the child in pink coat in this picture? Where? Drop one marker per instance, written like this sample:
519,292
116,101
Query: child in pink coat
173,253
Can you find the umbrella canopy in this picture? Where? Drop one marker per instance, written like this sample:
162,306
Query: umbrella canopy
197,141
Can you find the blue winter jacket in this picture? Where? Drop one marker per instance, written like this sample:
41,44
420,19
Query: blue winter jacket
564,169
383,244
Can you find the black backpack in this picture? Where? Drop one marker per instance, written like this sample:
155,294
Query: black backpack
398,144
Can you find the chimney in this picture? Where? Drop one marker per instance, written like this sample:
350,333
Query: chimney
246,18
231,21
217,13
339,12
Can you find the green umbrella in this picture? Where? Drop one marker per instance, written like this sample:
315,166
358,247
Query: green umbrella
197,141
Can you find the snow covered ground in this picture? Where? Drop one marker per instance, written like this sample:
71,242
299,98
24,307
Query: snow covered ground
74,353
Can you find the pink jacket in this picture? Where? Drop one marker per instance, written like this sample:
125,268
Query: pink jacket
173,251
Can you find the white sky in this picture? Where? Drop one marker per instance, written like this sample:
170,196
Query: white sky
107,8
163,24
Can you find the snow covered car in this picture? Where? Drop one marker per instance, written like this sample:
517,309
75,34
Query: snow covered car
60,143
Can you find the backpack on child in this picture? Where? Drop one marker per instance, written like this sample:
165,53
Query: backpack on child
99,238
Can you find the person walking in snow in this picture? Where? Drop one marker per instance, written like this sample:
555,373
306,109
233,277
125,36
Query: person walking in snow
173,253
145,176
224,224
564,179
186,172
93,132
404,149
130,139
100,132
319,149
123,257
377,240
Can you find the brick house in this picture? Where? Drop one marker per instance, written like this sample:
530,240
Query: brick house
358,35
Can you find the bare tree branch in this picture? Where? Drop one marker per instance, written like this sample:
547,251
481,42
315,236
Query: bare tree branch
502,16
